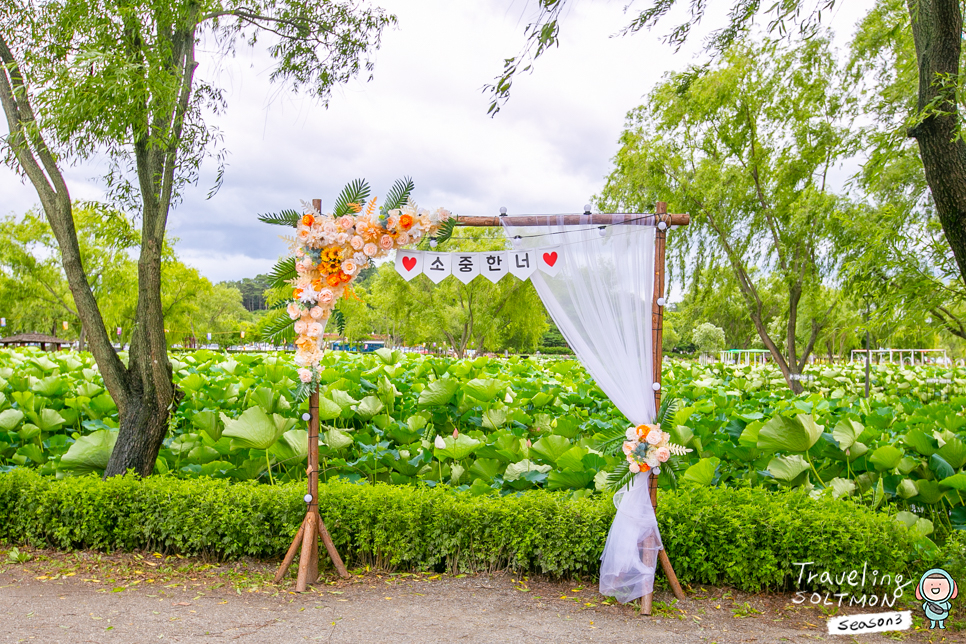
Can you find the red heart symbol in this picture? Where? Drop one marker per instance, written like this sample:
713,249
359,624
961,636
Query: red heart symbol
409,263
550,258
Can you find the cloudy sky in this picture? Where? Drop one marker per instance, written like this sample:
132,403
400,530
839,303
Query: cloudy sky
424,114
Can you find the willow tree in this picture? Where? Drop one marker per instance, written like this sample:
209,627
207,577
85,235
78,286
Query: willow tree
746,147
117,79
936,28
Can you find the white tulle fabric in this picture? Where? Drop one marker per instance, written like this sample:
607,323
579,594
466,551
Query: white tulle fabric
601,301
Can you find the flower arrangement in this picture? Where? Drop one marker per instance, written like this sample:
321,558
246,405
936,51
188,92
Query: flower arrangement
330,250
647,447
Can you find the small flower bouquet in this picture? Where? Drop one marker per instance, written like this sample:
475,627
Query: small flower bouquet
647,447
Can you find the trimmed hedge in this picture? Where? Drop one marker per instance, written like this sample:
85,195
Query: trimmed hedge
747,538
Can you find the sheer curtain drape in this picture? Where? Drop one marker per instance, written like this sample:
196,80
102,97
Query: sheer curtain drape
600,299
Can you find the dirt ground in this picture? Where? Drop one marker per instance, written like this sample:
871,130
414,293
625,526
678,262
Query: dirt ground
134,598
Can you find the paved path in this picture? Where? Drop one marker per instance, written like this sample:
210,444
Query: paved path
203,603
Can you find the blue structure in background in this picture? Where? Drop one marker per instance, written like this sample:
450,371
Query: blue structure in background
361,347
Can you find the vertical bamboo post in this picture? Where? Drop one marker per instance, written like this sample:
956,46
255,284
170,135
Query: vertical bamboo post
312,525
657,333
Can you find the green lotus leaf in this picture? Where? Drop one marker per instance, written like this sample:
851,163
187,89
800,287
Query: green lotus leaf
439,392
842,487
485,389
51,386
954,451
254,429
343,399
847,432
940,466
494,418
956,481
208,422
202,454
10,418
28,432
572,459
788,468
337,440
457,448
929,491
919,441
516,470
485,468
292,447
907,489
550,448
49,420
886,457
89,453
796,434
569,479
369,407
702,472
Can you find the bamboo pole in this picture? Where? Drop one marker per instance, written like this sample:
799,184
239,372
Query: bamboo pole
574,220
657,350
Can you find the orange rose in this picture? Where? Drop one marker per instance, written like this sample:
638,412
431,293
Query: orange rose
406,222
317,283
308,220
296,294
333,279
344,278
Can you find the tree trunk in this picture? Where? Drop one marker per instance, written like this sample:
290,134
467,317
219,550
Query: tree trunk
937,29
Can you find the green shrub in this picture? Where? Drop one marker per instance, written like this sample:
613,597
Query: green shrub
555,351
746,538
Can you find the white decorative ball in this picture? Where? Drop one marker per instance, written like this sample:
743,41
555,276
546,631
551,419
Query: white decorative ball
661,301
306,417
656,386
661,225
308,498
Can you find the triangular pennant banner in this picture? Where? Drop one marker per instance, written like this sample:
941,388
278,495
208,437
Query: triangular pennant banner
436,266
409,263
549,260
493,266
466,266
523,263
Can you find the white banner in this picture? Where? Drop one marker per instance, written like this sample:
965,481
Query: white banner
465,267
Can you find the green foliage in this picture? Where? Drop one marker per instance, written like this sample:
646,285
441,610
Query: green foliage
708,338
746,538
398,195
289,218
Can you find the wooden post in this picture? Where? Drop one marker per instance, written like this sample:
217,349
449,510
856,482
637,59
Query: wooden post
657,349
312,525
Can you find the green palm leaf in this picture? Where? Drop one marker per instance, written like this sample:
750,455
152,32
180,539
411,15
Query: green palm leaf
446,230
282,272
278,328
356,191
398,194
288,218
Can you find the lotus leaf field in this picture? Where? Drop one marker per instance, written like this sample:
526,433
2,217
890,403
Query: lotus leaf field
502,425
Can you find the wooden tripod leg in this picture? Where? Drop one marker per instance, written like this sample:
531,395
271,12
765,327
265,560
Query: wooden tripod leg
290,555
309,544
330,548
669,572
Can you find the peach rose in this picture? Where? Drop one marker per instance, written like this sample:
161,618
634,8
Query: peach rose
346,222
300,327
317,313
634,467
357,242
349,267
663,454
314,330
305,375
326,296
294,310
385,242
402,239
654,437
371,249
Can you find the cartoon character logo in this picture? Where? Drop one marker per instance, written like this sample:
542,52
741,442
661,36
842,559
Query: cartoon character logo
936,589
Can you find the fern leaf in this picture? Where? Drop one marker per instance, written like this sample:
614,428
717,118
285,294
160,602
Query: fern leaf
356,191
288,218
398,194
278,328
339,317
677,450
282,273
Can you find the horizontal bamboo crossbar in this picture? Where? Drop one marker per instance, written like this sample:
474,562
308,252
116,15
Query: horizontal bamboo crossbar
572,220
